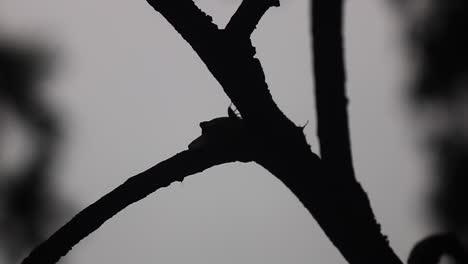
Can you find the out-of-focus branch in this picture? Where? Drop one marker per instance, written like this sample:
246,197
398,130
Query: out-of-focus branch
431,249
245,19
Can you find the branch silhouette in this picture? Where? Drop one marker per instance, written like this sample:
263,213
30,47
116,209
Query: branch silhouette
199,157
263,134
330,80
333,127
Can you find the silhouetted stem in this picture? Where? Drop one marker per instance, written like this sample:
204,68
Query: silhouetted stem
339,205
134,189
330,84
335,146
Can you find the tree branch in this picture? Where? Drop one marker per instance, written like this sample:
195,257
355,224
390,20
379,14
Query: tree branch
134,189
192,23
230,59
335,146
339,205
245,19
330,84
223,140
337,202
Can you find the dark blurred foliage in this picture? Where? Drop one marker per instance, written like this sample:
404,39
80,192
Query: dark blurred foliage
29,205
439,40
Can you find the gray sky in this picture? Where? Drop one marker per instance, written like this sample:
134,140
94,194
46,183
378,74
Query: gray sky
132,93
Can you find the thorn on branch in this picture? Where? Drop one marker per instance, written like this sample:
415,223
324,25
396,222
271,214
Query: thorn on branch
304,126
233,112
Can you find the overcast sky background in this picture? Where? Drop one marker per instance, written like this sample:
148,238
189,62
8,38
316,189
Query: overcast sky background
132,92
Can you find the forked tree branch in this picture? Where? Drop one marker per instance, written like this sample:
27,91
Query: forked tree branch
338,203
230,58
